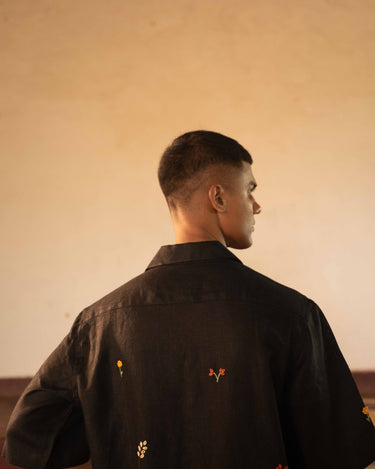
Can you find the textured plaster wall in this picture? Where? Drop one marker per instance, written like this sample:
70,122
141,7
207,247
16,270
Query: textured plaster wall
90,94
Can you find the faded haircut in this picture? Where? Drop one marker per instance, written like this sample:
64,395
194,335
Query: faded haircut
184,160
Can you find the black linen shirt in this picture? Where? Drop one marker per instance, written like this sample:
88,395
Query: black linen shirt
198,363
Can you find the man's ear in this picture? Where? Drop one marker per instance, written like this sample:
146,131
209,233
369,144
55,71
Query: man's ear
217,198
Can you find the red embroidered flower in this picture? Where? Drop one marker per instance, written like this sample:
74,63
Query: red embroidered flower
217,376
279,466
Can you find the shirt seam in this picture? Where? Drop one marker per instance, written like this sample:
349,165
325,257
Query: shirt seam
136,305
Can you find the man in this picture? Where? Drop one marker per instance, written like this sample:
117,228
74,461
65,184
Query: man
199,362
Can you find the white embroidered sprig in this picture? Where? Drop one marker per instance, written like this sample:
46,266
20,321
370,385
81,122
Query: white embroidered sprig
142,447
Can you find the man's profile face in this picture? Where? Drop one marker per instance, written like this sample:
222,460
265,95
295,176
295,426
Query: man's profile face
237,223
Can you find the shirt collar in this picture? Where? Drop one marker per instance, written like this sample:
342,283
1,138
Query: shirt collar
184,252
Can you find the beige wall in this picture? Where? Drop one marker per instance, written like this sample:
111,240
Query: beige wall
92,91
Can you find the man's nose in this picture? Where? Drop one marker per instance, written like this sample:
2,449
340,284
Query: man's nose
256,207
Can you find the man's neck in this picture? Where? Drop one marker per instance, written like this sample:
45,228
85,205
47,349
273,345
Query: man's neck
196,235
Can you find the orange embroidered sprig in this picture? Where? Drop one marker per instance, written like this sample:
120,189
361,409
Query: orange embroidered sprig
119,365
217,376
367,413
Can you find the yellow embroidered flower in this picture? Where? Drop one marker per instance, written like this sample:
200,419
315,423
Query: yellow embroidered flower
119,364
367,413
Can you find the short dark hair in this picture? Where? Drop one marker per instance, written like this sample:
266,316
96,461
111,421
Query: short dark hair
191,153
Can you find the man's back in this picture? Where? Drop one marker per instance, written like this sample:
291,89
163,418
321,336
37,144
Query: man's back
200,362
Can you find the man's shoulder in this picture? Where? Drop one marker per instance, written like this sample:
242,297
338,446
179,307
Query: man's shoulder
244,284
270,290
115,299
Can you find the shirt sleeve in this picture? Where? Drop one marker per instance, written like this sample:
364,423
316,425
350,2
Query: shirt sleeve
325,421
46,428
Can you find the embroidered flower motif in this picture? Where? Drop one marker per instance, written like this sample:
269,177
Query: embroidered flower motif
367,413
217,376
281,467
142,447
119,365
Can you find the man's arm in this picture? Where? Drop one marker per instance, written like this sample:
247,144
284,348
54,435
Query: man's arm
325,421
46,428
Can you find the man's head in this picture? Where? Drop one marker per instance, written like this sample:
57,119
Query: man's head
207,181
